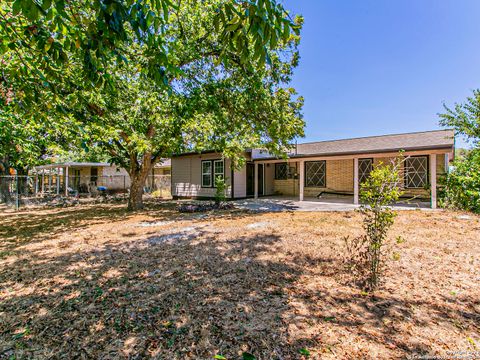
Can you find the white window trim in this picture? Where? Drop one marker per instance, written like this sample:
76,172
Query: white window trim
212,174
215,174
407,170
206,173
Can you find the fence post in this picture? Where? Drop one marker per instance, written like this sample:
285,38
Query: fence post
124,188
17,202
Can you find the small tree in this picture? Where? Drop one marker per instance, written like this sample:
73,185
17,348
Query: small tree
220,191
366,254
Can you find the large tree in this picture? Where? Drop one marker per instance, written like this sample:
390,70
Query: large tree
149,78
213,101
39,39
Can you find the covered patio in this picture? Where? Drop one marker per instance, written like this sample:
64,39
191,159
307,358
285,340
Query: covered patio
314,171
277,203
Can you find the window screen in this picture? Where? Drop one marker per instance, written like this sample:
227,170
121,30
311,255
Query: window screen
315,173
218,169
416,172
364,169
281,171
206,173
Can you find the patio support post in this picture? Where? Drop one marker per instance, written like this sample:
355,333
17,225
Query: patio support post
50,180
433,180
58,181
36,183
43,181
255,181
355,181
66,180
301,180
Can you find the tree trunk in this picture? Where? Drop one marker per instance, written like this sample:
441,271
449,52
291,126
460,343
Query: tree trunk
5,181
137,183
22,174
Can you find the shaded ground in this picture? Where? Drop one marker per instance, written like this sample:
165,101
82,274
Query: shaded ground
96,282
326,203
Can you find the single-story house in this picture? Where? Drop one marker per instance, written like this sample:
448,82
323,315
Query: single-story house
313,168
86,177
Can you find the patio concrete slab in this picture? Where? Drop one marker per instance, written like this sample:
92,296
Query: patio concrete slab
276,204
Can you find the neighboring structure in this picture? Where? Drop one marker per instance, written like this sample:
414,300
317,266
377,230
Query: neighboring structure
312,169
88,177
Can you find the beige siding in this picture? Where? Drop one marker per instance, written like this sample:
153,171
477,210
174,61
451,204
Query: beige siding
240,182
187,177
269,174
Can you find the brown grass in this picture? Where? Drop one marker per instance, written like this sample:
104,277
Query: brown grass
94,282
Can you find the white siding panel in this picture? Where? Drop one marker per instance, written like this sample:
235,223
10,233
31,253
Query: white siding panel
240,182
269,177
187,177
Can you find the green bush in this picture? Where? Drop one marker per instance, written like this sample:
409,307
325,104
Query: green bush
462,184
366,255
220,190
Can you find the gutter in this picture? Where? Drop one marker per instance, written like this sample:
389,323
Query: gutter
360,152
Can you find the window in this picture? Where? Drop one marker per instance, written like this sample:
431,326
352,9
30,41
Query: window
206,173
218,169
364,169
416,172
315,173
281,171
93,175
211,170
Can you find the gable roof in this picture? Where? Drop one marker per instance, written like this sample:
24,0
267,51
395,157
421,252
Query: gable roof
436,139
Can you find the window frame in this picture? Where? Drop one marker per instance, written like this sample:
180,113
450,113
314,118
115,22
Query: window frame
371,167
286,170
427,172
212,172
324,185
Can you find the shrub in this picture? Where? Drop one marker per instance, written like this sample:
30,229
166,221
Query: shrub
366,254
462,184
220,191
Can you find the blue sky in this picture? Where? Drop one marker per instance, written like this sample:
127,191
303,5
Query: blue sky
386,66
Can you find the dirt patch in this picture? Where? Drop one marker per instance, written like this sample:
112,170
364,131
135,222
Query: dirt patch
89,282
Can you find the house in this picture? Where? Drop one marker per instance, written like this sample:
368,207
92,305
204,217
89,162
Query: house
311,169
87,177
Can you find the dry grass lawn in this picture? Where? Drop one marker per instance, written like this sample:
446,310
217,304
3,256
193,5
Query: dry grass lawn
95,282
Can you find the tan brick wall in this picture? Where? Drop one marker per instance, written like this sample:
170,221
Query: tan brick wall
339,178
286,187
416,192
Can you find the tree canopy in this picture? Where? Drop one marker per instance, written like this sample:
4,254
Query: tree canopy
462,184
39,39
147,79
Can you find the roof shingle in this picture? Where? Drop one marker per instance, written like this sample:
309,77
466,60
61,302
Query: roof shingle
385,143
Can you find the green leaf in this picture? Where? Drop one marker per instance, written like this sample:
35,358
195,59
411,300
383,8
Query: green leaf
220,357
304,352
16,7
46,4
248,356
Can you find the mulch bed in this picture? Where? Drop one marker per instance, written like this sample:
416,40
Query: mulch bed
97,282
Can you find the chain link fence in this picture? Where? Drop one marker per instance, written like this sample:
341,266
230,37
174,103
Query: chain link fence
18,191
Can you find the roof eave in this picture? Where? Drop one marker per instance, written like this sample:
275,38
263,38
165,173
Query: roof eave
343,153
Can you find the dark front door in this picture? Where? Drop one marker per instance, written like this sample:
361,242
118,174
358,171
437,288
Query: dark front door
250,178
260,179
